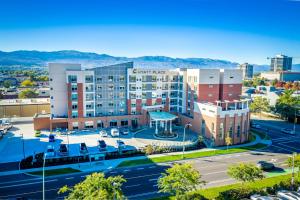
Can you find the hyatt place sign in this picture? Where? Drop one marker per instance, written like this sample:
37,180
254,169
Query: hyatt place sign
143,71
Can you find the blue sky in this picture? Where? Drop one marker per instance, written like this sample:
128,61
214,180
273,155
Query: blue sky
236,30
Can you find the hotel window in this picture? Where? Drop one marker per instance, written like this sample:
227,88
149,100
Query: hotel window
99,96
73,88
99,79
89,97
195,79
110,78
132,95
74,97
99,105
132,87
74,106
89,79
89,88
89,106
203,127
144,78
74,114
231,129
210,86
213,127
153,86
72,79
111,95
110,104
122,78
221,131
238,133
122,87
133,104
132,78
99,87
110,87
154,78
230,85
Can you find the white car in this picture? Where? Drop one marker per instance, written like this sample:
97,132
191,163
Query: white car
50,151
290,195
287,131
103,133
114,132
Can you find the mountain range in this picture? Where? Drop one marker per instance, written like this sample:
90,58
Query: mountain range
41,58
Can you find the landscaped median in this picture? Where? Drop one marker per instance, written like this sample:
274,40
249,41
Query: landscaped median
266,185
199,154
53,172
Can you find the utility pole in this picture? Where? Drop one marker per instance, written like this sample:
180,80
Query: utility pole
44,161
293,172
23,144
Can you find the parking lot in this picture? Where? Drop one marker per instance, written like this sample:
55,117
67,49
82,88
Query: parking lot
21,140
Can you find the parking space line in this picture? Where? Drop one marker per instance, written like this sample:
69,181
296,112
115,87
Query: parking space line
141,168
153,179
69,178
288,146
132,185
282,148
126,170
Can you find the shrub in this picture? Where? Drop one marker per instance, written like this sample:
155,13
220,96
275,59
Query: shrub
237,194
149,149
192,196
37,133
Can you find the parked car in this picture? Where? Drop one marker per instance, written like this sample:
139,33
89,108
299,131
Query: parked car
120,144
50,151
8,125
83,148
51,138
63,149
103,133
114,132
290,195
124,131
259,197
102,145
287,131
264,165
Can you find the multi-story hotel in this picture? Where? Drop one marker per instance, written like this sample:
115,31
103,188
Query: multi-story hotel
122,95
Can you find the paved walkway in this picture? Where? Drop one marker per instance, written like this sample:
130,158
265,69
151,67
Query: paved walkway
107,165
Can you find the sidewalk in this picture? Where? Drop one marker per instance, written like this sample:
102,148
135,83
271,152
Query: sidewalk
107,165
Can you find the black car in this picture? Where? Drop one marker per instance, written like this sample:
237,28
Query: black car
102,145
83,148
264,165
63,150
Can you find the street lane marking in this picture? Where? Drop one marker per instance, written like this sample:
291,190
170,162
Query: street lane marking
282,148
153,179
22,194
215,172
143,176
126,170
288,146
32,183
32,179
69,178
220,181
152,167
132,185
140,168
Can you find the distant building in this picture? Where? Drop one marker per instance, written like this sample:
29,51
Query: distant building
247,70
281,63
281,76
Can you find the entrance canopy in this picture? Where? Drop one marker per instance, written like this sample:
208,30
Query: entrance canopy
162,116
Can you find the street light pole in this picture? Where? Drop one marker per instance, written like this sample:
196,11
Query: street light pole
23,145
44,161
183,139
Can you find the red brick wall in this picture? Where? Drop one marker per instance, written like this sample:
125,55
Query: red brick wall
235,90
204,90
41,123
80,99
149,102
139,105
128,106
167,105
158,101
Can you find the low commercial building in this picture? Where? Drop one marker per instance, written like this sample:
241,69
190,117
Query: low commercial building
122,95
23,107
283,76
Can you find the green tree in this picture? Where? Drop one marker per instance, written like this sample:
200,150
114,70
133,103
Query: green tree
296,162
245,172
27,94
7,84
179,179
286,105
96,186
259,105
228,141
149,149
27,83
274,82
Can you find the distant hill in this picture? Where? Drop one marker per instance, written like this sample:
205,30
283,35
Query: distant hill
88,60
41,58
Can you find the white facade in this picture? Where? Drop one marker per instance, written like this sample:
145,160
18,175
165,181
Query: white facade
231,76
58,87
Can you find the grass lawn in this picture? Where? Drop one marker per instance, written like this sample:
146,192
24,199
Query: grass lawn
261,134
55,172
188,156
212,193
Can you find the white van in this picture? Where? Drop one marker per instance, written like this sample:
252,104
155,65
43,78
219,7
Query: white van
114,132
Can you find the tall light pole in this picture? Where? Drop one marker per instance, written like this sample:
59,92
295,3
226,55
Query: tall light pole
67,132
183,139
23,145
44,161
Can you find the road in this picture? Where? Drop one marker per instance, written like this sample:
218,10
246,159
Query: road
142,180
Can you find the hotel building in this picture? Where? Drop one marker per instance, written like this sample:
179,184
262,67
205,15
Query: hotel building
122,95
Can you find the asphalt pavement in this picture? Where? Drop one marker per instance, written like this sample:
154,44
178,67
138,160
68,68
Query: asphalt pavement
142,180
